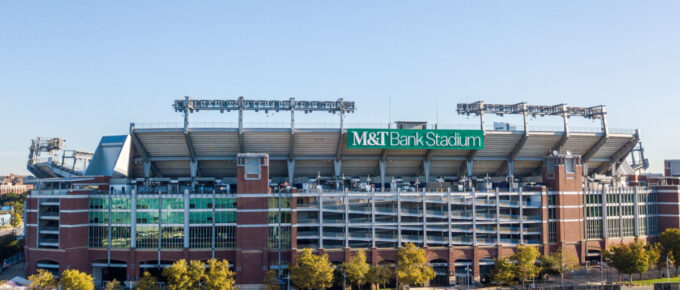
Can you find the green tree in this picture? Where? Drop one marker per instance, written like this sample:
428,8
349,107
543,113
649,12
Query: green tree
411,266
380,275
311,271
76,280
356,269
113,285
526,267
558,263
147,282
42,280
654,257
184,276
218,275
669,242
504,273
16,221
628,258
270,281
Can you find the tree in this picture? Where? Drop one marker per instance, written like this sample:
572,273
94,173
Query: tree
411,266
380,275
16,221
669,242
76,280
147,282
42,280
356,269
628,258
183,276
526,267
504,273
218,275
113,285
558,263
654,257
270,281
311,271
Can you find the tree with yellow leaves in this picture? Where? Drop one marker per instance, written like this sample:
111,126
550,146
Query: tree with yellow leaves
311,271
412,268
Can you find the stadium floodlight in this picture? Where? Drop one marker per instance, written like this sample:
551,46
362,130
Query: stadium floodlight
189,105
478,108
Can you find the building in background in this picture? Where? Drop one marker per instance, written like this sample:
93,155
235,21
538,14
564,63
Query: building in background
256,195
14,184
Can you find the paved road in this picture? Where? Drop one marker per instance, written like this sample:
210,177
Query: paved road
19,231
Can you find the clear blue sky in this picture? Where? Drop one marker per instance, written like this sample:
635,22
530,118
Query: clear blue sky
80,70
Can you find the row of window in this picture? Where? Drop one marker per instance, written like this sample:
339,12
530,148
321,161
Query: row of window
170,237
206,217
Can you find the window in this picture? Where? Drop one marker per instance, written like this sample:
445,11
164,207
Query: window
569,165
120,237
276,233
147,236
200,237
98,237
252,166
172,237
225,237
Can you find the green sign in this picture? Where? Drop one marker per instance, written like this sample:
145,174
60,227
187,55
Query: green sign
415,139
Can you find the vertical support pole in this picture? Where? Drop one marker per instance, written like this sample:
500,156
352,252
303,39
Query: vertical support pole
147,169
337,168
470,166
382,174
186,113
399,217
133,218
448,207
498,217
214,231
291,171
636,211
474,217
511,172
424,197
241,106
347,219
373,218
426,170
108,248
186,218
320,194
160,225
605,226
521,217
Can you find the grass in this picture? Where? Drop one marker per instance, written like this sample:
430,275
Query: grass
659,280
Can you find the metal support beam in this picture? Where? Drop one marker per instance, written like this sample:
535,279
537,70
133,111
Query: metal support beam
381,166
143,152
593,150
337,168
291,171
621,154
518,147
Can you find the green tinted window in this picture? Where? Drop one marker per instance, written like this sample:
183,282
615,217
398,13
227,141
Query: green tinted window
120,203
200,203
99,203
120,217
225,203
204,217
147,203
173,203
225,217
98,217
274,217
274,202
172,217
147,217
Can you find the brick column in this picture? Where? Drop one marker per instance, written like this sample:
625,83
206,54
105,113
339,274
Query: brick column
252,231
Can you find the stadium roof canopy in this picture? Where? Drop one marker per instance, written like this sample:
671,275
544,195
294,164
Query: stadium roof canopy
172,148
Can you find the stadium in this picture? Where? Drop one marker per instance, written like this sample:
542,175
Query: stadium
255,195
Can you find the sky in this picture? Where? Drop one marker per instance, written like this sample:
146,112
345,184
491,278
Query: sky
83,69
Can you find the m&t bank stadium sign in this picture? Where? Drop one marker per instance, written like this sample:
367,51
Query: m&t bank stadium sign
415,139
